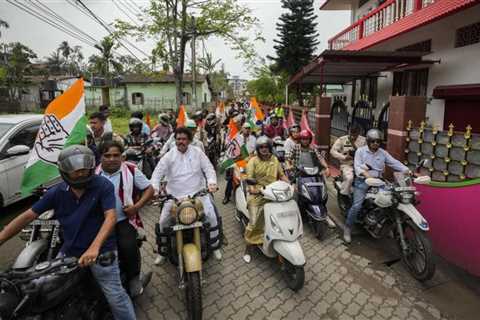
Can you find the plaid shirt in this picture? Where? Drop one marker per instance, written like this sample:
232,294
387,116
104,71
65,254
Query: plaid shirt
294,155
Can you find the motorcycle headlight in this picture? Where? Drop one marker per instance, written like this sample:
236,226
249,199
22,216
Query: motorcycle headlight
187,215
275,226
406,197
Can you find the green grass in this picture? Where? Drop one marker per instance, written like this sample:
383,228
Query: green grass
120,124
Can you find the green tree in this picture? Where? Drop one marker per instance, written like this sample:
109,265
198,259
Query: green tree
171,26
297,37
105,65
55,63
268,87
3,24
18,65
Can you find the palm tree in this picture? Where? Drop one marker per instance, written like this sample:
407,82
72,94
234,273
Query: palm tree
206,63
3,47
104,63
3,24
55,62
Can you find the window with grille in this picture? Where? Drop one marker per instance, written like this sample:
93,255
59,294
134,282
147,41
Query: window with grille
423,46
410,83
467,35
137,98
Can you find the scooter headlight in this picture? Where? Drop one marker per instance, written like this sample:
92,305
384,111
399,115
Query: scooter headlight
275,226
407,197
311,171
187,215
282,195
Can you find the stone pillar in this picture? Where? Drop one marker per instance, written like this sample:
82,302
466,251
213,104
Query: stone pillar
402,109
323,122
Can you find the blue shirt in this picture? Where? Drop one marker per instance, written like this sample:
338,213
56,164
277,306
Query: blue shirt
80,218
146,129
377,161
141,182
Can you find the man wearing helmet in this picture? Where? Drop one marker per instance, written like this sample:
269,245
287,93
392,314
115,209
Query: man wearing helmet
139,115
305,137
265,169
344,150
187,170
135,138
274,129
84,204
163,129
369,162
292,141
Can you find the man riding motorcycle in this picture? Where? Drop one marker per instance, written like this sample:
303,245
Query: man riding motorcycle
132,192
293,139
84,204
185,169
135,138
305,138
369,162
163,129
171,142
247,138
344,150
274,129
265,169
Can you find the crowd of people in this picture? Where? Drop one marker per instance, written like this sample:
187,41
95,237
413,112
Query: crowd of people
99,200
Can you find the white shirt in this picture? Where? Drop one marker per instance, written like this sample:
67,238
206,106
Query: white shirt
289,145
251,140
107,127
184,172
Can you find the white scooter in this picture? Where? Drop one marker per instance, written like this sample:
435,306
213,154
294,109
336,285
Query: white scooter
283,228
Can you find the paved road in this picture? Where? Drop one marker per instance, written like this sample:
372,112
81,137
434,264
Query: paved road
361,281
339,284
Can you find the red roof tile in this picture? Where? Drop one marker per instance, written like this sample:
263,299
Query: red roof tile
435,11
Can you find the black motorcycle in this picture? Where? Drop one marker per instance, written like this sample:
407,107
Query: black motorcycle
55,289
312,195
212,150
143,157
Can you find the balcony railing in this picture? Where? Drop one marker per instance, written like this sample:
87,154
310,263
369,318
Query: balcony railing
386,14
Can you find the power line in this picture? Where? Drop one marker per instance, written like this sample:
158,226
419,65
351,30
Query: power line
44,8
102,23
134,6
51,23
124,12
128,7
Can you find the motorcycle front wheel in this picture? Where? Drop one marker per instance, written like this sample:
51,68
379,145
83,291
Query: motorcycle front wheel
320,228
193,294
294,276
418,258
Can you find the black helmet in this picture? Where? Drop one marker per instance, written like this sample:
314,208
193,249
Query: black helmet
264,140
198,115
135,122
373,134
164,119
293,127
73,158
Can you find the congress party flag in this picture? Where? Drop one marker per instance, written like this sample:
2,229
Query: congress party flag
64,124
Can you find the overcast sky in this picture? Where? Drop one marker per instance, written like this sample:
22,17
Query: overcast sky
44,39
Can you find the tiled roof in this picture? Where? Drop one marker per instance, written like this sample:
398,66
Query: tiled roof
435,11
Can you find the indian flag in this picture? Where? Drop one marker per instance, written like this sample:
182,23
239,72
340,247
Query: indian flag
236,152
259,116
64,124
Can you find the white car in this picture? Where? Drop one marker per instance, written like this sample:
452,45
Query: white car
17,137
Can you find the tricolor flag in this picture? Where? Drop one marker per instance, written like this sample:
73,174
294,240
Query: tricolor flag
182,116
236,152
64,124
259,116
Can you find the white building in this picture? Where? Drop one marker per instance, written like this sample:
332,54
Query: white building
444,33
239,86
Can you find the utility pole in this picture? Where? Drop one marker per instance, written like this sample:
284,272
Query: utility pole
194,63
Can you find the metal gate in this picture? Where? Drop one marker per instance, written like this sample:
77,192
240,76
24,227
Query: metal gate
382,123
339,119
362,116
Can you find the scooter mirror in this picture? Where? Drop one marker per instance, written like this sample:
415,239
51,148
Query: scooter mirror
424,163
251,182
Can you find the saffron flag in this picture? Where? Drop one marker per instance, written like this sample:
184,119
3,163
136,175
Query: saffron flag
182,116
236,151
147,120
290,118
64,124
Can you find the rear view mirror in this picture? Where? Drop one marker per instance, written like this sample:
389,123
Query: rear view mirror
424,163
18,150
251,182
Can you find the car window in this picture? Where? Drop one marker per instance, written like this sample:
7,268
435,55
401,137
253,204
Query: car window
26,136
4,127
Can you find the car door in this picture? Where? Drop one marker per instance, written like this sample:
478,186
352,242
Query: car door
14,166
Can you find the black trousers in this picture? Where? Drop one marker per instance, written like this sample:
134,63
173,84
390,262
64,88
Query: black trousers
229,187
128,250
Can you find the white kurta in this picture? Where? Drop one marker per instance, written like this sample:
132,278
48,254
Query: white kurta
184,172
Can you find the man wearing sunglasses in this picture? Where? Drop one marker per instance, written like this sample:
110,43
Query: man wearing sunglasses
369,162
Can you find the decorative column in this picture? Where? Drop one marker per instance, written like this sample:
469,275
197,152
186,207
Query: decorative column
402,110
323,122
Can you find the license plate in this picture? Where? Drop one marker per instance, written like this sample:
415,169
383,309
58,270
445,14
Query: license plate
45,223
314,184
180,227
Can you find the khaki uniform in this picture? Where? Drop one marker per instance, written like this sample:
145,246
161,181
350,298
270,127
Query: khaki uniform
265,172
340,151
